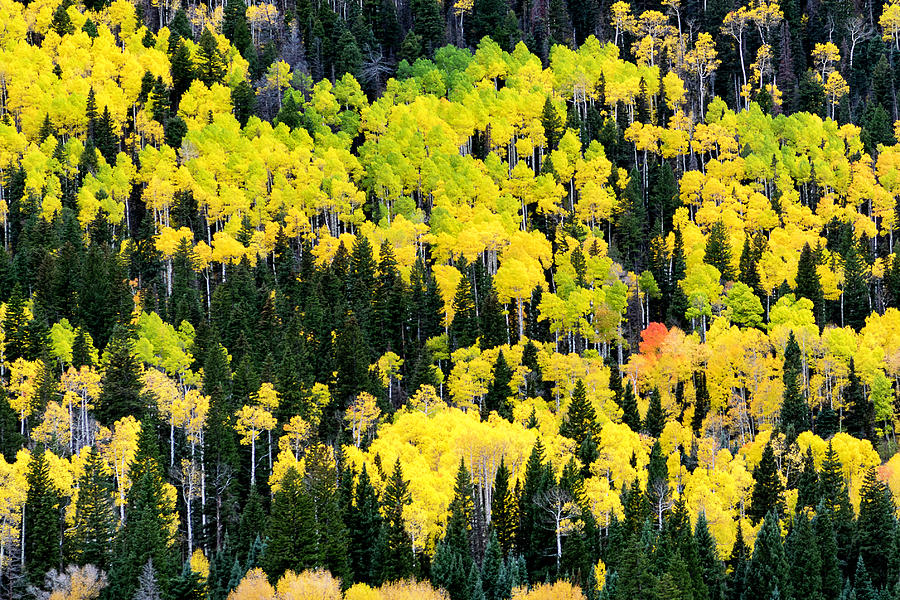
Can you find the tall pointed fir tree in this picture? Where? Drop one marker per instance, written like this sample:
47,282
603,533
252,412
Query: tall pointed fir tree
804,559
498,393
768,571
859,410
95,521
580,423
41,533
534,540
876,525
856,303
149,519
120,386
768,489
504,513
718,251
630,415
655,419
292,540
808,283
464,327
364,523
396,552
453,561
794,409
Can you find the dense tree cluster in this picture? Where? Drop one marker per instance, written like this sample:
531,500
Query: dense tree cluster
471,299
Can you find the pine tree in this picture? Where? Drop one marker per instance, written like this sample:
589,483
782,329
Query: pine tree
768,490
210,66
42,519
678,303
655,420
120,386
364,523
718,251
860,411
701,403
95,521
768,569
332,539
581,419
149,513
855,297
534,540
804,560
808,284
15,327
491,569
711,568
464,327
498,394
235,27
397,554
826,542
292,529
630,414
504,517
737,565
429,25
794,409
453,558
243,98
553,125
875,526
388,302
807,483
253,522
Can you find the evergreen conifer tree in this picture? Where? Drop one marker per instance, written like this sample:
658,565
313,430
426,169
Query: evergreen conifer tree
504,517
397,553
768,490
718,251
794,409
364,523
120,386
42,519
581,420
464,327
291,532
808,284
630,414
655,420
859,411
768,568
498,394
875,526
95,521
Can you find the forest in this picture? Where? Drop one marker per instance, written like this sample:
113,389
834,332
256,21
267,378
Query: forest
449,300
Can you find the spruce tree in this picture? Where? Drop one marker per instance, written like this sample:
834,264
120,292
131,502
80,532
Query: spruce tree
464,327
396,553
860,411
630,414
794,409
292,539
210,66
534,540
504,514
826,542
711,568
875,526
738,561
655,419
364,524
768,490
804,559
855,297
580,423
768,568
388,302
332,539
718,251
499,393
491,570
808,284
807,483
243,98
553,125
453,561
95,520
42,519
120,385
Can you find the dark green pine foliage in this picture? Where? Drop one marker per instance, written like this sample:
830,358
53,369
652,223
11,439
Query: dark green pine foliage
106,138
292,529
807,483
658,482
826,540
253,522
768,490
808,284
184,303
492,322
389,302
120,392
15,327
701,401
655,420
332,537
748,273
768,568
553,125
712,570
863,584
396,552
855,297
580,423
453,561
630,414
534,540
95,519
487,19
492,569
718,251
859,416
875,526
499,393
794,409
678,303
504,513
738,562
243,98
146,535
429,25
210,66
835,497
364,524
804,559
189,585
235,27
42,519
630,224
464,327
892,276
182,71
